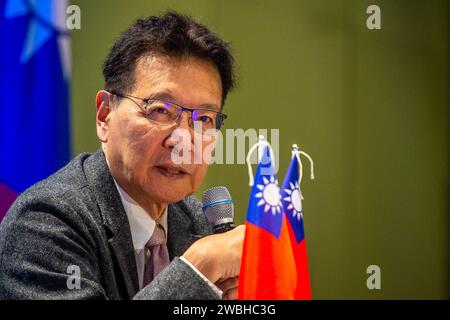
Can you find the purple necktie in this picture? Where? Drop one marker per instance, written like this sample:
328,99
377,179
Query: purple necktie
157,254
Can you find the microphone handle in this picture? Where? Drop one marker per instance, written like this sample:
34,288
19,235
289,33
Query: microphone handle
224,227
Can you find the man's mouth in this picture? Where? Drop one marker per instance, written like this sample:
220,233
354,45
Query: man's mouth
170,171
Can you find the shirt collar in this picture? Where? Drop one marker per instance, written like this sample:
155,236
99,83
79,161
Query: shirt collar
141,224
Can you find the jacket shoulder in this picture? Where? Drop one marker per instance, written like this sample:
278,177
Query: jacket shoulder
65,195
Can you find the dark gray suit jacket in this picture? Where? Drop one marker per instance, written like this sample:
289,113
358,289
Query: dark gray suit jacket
76,218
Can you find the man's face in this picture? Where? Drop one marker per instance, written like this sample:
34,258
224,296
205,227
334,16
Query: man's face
139,151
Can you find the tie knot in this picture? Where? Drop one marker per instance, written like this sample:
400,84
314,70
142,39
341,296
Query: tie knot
158,237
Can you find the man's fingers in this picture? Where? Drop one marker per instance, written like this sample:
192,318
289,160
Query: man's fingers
227,284
229,287
231,294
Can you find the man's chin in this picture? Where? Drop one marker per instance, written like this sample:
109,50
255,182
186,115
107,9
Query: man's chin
169,194
168,189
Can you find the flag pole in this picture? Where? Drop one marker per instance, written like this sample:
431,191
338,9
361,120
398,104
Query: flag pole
260,145
296,153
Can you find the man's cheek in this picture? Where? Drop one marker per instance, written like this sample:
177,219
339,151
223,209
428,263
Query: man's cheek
199,175
208,151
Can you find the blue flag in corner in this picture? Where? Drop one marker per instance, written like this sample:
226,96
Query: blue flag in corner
34,94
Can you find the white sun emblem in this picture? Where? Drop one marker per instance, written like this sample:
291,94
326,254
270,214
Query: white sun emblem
295,200
269,195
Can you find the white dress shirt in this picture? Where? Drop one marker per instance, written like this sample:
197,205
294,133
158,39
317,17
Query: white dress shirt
142,227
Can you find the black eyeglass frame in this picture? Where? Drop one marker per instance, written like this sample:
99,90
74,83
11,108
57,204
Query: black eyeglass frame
220,117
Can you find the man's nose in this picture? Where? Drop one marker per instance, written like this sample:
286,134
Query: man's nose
185,120
182,133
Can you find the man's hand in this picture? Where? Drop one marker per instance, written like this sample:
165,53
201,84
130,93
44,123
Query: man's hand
218,257
229,288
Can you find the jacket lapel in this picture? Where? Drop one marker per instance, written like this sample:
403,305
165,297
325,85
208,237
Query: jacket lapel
114,220
185,226
186,223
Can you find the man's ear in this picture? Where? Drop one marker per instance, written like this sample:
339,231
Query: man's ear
103,101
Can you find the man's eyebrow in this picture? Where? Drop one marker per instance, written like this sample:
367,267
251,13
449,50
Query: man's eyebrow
165,95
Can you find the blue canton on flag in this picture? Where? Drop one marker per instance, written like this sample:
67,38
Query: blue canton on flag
292,199
265,209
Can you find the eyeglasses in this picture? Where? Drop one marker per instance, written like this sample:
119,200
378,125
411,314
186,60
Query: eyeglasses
168,113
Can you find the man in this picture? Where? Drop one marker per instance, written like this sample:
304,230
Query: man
120,223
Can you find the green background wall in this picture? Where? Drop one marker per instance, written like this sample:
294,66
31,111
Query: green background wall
370,106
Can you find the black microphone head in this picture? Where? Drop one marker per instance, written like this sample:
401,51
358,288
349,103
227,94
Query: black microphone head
218,206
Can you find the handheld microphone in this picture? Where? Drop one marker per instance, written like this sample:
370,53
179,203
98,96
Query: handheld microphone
218,209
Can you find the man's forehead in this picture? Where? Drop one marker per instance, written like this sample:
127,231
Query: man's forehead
157,63
171,96
160,77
